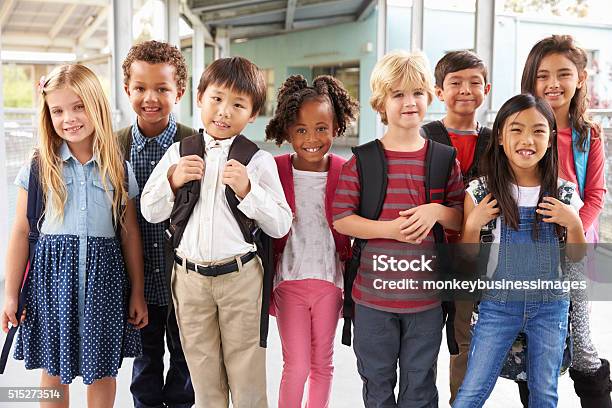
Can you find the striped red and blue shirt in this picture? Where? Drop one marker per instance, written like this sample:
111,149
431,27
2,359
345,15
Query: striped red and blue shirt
405,190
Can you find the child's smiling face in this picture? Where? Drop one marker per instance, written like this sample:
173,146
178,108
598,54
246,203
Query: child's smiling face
525,139
69,117
405,108
557,80
312,134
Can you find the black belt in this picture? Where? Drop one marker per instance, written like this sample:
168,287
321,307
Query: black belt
215,270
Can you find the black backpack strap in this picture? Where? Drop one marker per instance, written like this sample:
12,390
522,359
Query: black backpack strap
439,163
35,214
436,131
484,135
372,169
187,196
241,150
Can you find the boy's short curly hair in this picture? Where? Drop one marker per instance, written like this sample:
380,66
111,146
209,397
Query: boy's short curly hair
155,52
454,61
295,91
402,69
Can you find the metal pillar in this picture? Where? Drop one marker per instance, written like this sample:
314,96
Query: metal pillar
199,38
172,22
223,41
416,36
120,43
484,44
4,233
381,49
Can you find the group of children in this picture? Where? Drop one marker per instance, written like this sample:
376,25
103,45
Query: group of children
211,201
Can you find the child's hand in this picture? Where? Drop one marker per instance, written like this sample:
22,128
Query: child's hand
8,314
188,168
486,211
557,212
138,314
394,229
420,220
235,176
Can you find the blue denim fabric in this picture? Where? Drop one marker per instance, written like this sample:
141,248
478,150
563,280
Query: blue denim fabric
540,314
545,325
149,388
521,258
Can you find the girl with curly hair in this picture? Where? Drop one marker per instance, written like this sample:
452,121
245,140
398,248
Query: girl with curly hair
309,260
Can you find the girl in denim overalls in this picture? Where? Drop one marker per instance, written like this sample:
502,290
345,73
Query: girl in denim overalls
521,173
81,316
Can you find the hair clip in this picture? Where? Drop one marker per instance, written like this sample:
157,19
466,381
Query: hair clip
41,84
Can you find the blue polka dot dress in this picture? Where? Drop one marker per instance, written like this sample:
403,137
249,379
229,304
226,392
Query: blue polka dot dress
77,303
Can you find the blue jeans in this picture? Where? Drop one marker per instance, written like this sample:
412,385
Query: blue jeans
545,325
148,388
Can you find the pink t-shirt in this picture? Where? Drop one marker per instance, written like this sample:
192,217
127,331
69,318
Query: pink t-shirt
595,188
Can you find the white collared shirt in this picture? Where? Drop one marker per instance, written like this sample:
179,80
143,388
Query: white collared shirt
212,232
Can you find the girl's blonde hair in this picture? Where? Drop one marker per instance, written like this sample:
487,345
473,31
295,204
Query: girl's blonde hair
83,82
404,70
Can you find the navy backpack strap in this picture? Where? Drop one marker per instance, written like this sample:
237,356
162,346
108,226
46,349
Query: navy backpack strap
435,130
35,214
372,169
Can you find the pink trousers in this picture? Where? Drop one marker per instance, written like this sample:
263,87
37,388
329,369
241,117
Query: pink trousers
307,313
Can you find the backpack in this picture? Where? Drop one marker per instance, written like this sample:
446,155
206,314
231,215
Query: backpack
372,169
435,130
514,367
35,214
581,159
242,150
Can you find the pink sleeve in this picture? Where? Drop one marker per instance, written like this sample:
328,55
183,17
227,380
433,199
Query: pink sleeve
595,188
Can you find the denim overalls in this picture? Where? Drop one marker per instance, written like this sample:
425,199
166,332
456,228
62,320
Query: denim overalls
540,313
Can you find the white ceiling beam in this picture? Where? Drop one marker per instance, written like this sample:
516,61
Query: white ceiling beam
323,22
290,14
226,5
61,22
93,27
194,20
98,3
366,9
5,11
42,42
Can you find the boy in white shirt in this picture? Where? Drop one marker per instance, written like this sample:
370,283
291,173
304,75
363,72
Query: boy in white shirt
217,278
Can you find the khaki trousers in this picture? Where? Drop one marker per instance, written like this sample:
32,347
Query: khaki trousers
463,336
218,319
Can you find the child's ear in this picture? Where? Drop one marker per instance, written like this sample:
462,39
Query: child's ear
179,95
126,89
252,118
199,100
439,93
487,89
582,77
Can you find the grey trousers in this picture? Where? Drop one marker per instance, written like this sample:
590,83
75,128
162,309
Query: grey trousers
384,339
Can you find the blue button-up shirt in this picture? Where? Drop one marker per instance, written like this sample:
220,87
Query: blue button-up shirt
144,155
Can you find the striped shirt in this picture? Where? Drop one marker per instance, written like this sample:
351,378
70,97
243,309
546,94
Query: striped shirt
144,156
405,190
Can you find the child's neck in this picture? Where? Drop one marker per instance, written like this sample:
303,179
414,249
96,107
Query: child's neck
562,117
152,129
403,140
460,122
527,177
318,166
82,151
